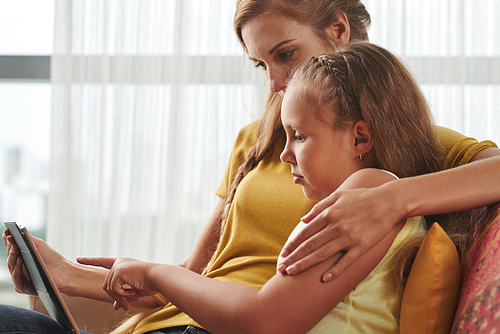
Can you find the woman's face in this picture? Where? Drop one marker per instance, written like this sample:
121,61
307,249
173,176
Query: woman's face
278,45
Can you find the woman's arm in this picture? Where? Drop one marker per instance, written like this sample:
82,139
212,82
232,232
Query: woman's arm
330,227
285,304
70,278
74,279
207,241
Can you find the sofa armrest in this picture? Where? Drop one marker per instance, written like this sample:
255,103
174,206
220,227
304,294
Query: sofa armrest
93,316
479,301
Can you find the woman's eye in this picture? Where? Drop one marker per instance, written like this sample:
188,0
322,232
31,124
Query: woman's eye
260,64
285,55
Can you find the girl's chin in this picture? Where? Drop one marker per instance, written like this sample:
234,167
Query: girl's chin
312,195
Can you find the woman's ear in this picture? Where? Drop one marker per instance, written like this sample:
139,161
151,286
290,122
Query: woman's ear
363,139
339,29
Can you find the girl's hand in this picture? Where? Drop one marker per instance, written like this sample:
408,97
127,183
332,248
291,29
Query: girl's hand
57,265
126,281
350,221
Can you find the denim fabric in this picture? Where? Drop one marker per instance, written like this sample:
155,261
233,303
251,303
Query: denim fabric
180,330
16,320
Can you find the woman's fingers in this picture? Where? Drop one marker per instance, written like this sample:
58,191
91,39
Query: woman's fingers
315,250
345,262
16,268
315,224
104,262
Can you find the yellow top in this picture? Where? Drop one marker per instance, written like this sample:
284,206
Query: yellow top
265,210
375,305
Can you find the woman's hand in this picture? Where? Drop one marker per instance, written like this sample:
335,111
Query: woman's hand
55,263
126,281
350,221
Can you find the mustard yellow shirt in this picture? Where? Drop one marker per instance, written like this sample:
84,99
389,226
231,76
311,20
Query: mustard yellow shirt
265,210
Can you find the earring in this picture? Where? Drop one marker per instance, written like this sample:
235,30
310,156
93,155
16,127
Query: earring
360,156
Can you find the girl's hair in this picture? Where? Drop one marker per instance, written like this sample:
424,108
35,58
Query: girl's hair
362,81
318,15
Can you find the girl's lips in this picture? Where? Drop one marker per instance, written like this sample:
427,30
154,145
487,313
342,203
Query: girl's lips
297,178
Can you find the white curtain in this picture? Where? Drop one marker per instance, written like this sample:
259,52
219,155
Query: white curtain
452,47
149,95
147,99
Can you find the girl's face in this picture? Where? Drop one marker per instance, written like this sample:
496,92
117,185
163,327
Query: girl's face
320,157
278,45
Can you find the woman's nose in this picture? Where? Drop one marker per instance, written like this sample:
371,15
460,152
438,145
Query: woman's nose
277,81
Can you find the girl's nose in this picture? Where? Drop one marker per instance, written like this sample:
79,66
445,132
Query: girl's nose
287,155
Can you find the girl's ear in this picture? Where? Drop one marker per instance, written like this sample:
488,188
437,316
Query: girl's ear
363,139
339,30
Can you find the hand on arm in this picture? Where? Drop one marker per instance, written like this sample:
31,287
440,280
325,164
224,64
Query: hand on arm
330,223
350,221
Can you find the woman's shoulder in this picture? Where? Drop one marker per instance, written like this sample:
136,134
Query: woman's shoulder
248,134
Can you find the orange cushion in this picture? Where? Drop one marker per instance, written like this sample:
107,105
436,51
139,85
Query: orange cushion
431,294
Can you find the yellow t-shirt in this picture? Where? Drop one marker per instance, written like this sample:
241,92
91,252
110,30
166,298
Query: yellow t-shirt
265,210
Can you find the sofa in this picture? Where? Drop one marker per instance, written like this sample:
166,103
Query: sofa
478,309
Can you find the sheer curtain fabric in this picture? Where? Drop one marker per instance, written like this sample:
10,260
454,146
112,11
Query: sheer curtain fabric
148,96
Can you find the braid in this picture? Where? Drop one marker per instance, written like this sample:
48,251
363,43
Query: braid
267,136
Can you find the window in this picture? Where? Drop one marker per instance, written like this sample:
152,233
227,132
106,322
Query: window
26,42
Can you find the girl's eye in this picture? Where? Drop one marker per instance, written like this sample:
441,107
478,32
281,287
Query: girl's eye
299,137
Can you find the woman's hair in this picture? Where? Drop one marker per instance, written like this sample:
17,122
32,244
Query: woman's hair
317,14
362,81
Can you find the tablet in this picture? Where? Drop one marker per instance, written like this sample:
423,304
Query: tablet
41,279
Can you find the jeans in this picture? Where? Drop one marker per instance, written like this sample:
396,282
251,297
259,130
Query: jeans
16,320
180,330
20,320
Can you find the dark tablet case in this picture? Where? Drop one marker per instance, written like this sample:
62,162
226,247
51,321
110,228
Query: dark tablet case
41,279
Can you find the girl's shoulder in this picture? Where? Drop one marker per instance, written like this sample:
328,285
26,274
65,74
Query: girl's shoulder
368,178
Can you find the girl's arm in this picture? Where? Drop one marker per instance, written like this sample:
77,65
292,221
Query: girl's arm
330,227
285,304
